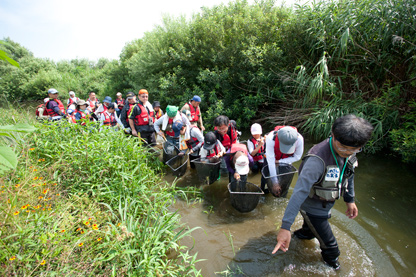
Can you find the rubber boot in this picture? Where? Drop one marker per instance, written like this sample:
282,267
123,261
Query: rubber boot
330,256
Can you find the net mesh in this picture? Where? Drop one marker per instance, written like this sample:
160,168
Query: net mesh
178,164
208,172
279,184
169,151
244,196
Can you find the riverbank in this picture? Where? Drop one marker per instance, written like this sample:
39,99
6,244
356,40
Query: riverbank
83,202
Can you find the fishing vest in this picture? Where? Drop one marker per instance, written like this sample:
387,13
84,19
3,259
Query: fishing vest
194,113
109,119
259,154
51,112
214,151
277,154
328,188
193,141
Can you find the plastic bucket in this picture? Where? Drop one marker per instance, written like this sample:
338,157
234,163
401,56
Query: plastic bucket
279,184
244,196
169,151
178,164
207,172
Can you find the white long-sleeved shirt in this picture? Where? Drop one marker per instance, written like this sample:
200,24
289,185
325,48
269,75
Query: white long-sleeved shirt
271,158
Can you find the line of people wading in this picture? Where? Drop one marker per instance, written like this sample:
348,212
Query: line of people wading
325,174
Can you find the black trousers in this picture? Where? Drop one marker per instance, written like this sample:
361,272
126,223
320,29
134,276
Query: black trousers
149,138
318,227
191,158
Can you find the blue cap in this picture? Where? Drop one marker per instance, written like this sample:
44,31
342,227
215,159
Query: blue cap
176,127
196,98
107,99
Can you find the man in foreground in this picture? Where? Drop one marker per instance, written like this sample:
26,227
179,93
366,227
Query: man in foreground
326,173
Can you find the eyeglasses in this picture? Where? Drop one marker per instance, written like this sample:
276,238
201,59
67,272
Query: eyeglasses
343,149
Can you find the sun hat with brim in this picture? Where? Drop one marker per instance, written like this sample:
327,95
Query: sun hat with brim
171,111
210,140
107,99
81,102
241,165
256,129
53,91
287,139
156,104
71,93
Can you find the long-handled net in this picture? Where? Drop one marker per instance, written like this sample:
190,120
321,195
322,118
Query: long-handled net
208,172
178,164
279,184
169,151
244,196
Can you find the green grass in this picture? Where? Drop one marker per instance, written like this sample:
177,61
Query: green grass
83,202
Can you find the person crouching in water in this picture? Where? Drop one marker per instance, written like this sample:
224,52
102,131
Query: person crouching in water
194,143
110,117
164,124
255,146
212,150
238,162
81,114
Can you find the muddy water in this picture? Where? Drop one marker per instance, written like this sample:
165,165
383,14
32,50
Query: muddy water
381,241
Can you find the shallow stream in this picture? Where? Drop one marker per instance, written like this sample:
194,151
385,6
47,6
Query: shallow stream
380,242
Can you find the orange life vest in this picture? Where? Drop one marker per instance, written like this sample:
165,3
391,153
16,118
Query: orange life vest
109,119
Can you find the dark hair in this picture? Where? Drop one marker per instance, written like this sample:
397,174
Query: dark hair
221,120
351,130
111,106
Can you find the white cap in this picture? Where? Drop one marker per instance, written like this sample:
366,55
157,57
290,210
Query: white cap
118,93
71,93
241,165
256,129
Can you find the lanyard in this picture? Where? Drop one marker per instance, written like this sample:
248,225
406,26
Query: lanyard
345,164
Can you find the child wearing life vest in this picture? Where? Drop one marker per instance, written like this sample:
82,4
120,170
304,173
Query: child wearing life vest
212,150
255,145
238,162
81,114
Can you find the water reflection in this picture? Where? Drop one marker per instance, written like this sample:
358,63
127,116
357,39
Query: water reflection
379,242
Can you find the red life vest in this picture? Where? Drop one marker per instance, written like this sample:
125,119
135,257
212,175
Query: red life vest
259,154
170,132
51,112
120,103
193,141
213,152
72,102
43,106
277,154
194,113
92,104
144,116
83,116
109,119
230,137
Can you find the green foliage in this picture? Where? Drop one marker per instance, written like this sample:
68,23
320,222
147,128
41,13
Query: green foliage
83,202
404,138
